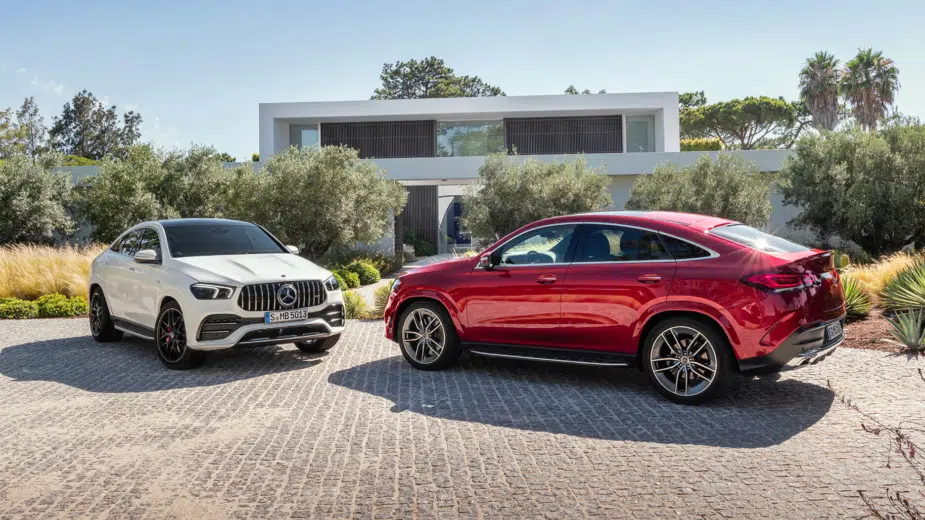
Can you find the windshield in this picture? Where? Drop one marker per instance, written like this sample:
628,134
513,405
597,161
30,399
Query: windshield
219,239
755,239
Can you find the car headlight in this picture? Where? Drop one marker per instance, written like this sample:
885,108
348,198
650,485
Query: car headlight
331,284
395,284
208,291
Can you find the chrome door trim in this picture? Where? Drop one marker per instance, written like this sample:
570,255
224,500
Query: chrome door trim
713,254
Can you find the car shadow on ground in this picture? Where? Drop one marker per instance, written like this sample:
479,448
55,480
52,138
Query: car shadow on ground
611,404
131,365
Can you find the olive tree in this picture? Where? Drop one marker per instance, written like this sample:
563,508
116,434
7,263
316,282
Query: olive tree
319,199
33,199
149,184
511,192
729,186
868,188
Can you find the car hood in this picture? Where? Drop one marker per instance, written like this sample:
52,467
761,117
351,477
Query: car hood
462,263
247,269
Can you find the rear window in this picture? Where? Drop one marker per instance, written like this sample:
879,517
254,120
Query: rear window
755,239
219,239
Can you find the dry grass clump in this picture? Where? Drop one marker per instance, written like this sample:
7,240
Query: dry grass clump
31,271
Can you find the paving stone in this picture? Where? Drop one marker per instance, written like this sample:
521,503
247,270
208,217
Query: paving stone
105,431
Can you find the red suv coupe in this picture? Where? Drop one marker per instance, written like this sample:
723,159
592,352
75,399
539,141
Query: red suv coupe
686,298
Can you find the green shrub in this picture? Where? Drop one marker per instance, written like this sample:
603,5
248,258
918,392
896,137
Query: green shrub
421,246
341,283
512,191
33,200
857,301
865,187
367,272
701,145
908,330
351,279
76,160
380,298
729,186
16,309
355,307
381,260
906,290
60,306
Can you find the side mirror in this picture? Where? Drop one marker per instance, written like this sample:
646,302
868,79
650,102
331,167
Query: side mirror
485,262
293,249
146,256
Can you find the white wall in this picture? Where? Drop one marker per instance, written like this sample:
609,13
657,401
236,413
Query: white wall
466,168
272,115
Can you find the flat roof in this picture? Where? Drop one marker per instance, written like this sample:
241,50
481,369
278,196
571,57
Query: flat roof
473,107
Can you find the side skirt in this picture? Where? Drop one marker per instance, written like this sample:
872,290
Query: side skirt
552,355
133,328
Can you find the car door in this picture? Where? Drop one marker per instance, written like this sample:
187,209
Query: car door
142,291
617,272
518,302
119,282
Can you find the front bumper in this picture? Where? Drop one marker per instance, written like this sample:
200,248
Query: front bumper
217,331
806,346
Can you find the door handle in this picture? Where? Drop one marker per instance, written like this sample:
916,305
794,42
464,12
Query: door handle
649,278
546,278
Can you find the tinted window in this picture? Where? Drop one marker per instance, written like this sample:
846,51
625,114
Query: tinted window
751,237
547,245
682,250
150,240
219,239
619,244
129,244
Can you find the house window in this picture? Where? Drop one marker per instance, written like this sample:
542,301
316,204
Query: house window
640,134
564,135
467,138
382,139
304,136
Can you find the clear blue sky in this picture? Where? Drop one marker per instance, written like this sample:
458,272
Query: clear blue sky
196,69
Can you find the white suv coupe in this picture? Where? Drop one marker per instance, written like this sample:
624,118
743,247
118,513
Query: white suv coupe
194,285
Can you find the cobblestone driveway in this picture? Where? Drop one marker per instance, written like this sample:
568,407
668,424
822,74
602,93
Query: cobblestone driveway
105,431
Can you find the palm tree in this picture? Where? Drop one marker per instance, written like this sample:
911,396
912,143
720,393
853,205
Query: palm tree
869,83
819,89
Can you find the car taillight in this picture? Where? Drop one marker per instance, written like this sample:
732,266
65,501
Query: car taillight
777,282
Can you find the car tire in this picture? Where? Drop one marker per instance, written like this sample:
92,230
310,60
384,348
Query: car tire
438,346
170,335
687,360
319,345
101,325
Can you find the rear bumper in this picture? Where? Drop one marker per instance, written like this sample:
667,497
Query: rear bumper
808,345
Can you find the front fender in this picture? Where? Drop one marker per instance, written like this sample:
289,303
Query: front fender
405,297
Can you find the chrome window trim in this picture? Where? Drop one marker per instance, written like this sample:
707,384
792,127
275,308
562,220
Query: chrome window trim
713,254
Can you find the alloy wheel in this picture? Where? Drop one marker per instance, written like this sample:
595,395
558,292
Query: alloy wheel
683,361
171,335
423,335
96,314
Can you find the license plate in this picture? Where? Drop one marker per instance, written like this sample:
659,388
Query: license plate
293,315
833,330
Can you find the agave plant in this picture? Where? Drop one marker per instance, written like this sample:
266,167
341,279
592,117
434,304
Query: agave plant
355,306
908,330
857,301
906,290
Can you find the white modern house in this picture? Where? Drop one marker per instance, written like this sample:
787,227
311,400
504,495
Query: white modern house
435,146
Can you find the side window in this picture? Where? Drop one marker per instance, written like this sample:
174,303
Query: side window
619,244
683,250
150,240
117,245
547,245
129,244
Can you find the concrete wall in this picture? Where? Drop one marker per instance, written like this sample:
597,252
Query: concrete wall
275,118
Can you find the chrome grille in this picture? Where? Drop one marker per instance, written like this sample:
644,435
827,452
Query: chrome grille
262,296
